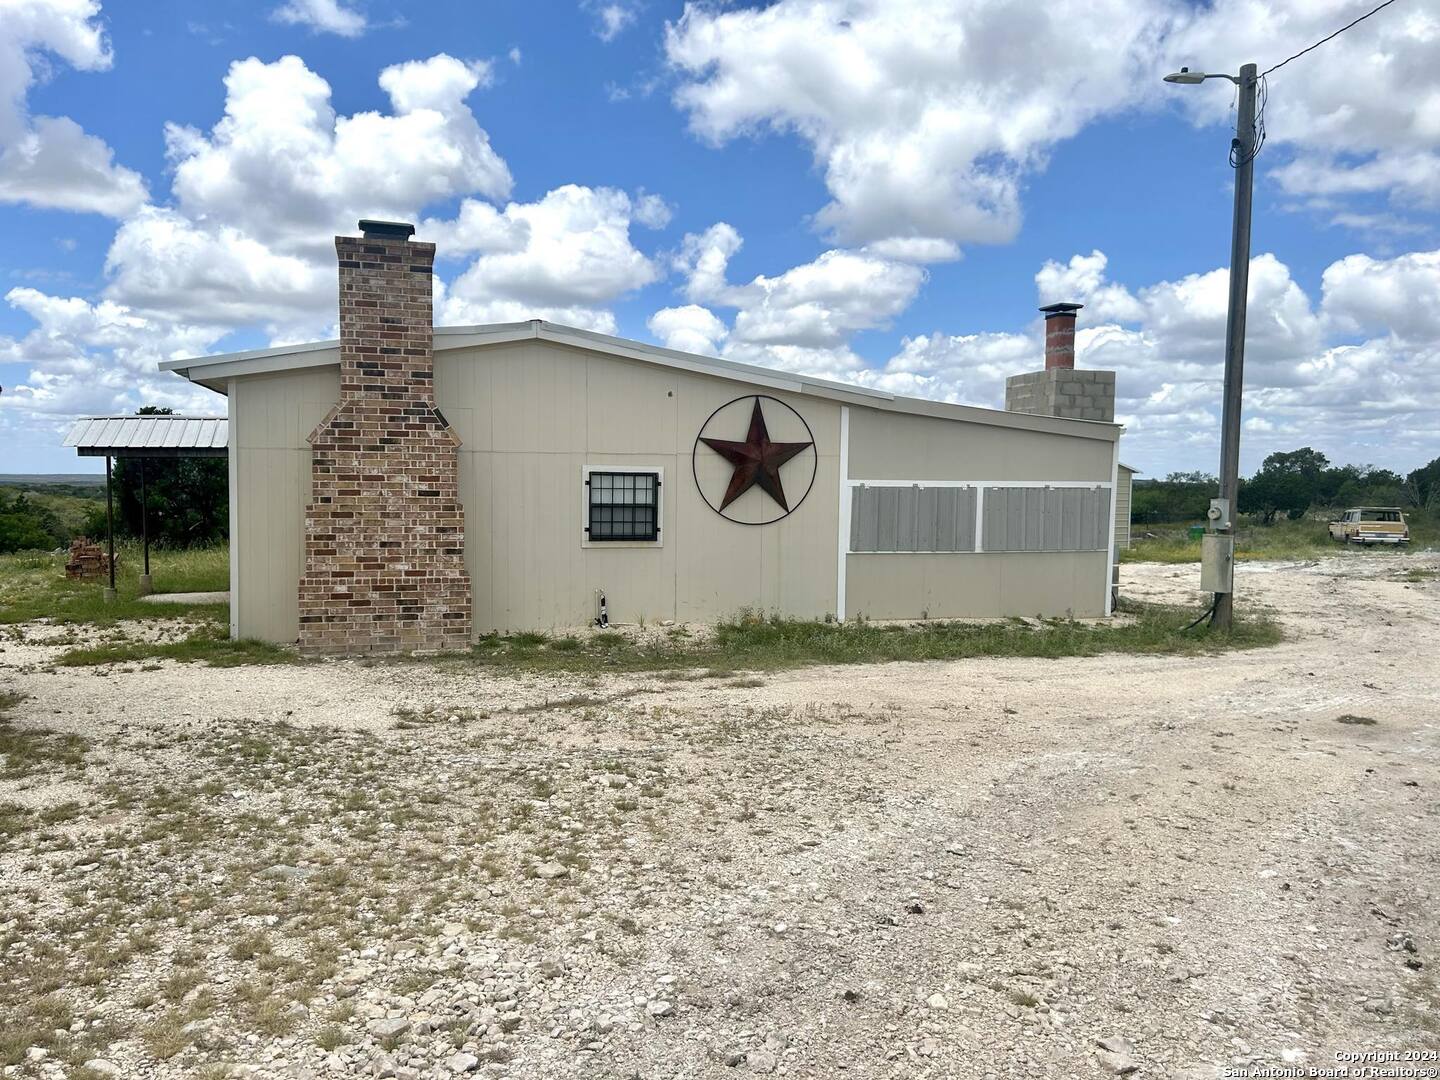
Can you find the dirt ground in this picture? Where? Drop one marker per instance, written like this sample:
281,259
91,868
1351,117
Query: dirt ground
1152,866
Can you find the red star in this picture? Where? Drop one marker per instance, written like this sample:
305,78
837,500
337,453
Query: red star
757,460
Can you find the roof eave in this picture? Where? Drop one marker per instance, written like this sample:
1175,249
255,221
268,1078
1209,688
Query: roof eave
214,371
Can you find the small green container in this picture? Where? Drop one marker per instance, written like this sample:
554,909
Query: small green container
1197,531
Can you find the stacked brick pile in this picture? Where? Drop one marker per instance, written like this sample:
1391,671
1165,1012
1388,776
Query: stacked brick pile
87,562
385,531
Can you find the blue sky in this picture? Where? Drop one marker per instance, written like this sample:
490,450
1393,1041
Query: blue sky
809,186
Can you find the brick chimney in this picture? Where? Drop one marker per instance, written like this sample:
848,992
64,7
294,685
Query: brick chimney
384,530
1061,389
1060,335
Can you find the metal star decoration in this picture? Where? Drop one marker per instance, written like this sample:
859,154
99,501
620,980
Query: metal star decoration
757,460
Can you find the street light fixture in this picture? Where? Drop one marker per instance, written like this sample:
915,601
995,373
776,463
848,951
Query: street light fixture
1217,564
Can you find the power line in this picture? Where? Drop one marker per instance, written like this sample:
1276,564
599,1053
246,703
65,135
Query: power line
1323,40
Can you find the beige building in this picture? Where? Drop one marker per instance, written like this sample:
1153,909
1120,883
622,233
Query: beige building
1123,490
676,486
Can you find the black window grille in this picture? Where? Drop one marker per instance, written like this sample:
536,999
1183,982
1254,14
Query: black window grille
624,506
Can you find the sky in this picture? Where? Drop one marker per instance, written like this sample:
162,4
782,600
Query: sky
876,191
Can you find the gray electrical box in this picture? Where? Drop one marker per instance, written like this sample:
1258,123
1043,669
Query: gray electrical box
1219,515
1217,563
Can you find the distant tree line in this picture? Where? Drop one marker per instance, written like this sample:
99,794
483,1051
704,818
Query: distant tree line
1289,484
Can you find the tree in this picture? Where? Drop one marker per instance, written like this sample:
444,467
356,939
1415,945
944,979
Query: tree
1268,494
1422,486
25,525
187,499
1179,497
1288,482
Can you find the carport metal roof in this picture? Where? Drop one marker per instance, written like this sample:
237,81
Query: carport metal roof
150,436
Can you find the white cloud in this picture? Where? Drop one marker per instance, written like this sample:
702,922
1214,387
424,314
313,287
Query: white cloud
258,197
611,19
1360,115
50,161
246,242
818,304
1375,400
322,17
690,328
164,264
1082,279
803,318
283,169
652,211
94,357
1401,295
821,303
924,116
564,257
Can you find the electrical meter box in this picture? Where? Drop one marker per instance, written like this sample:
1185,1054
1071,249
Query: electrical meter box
1217,563
1219,514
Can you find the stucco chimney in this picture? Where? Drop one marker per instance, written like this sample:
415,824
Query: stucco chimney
1060,335
385,530
1060,389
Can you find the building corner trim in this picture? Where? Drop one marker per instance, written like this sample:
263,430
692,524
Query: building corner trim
1113,562
843,515
233,479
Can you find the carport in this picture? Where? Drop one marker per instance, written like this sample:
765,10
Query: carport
142,438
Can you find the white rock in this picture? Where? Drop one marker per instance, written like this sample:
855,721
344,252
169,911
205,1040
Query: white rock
391,1028
461,1062
660,1008
553,870
103,1066
938,1001
761,1061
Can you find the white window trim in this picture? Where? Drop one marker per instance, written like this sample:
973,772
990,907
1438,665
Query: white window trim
621,545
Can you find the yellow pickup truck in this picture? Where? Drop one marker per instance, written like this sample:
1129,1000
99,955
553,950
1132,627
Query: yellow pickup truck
1371,525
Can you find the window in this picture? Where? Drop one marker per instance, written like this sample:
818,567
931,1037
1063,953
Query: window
623,506
1380,515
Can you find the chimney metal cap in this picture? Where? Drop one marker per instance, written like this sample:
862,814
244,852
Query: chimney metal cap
1052,310
386,230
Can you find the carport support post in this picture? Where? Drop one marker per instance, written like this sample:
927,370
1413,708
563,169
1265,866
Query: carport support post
145,589
110,530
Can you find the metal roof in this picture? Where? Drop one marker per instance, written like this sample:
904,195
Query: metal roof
150,436
214,372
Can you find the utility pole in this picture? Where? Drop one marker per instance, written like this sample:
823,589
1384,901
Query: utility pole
1243,152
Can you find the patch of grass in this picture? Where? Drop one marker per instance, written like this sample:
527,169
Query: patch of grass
1305,539
1359,721
331,1037
33,585
27,750
209,643
762,643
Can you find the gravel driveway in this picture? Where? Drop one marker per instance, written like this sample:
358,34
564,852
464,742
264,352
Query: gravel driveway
1154,866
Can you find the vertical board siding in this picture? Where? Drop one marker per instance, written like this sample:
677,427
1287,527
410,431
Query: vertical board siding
1046,519
1122,508
916,518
